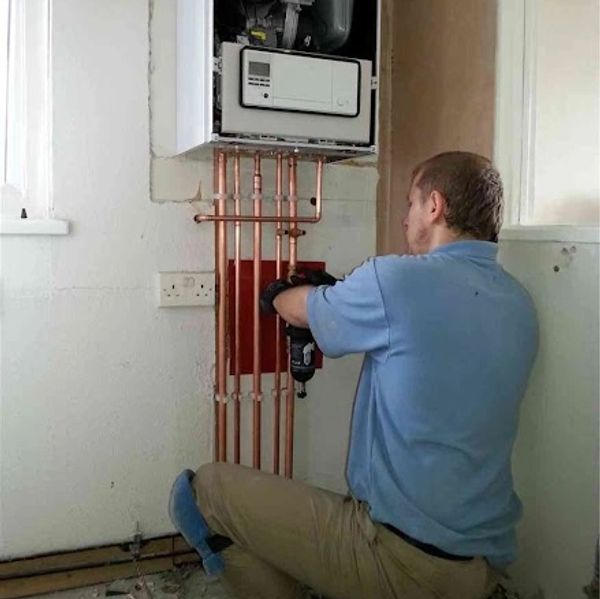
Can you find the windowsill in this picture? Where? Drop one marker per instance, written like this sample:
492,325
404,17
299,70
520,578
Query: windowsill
33,226
557,233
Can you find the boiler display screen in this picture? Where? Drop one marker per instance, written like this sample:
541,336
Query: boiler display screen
259,69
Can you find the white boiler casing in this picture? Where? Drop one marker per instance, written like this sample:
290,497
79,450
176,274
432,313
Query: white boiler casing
259,97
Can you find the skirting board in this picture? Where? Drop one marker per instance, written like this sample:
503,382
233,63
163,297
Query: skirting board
62,571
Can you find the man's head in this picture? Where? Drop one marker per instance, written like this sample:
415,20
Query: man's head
454,195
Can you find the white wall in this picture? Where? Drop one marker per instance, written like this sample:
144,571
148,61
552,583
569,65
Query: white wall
556,456
105,398
567,112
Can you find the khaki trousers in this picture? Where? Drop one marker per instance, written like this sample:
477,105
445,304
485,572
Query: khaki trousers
286,533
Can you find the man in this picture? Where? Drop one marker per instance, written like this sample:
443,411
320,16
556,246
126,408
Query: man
449,340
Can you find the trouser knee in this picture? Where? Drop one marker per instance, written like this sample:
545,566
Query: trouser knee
206,482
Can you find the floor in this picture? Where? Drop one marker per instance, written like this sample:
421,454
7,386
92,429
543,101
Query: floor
187,582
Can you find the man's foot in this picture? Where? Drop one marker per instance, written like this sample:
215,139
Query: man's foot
190,522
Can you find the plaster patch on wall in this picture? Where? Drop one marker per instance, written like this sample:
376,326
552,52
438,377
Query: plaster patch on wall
178,179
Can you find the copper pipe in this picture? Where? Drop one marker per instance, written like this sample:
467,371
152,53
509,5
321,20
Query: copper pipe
216,414
199,218
222,308
278,274
293,203
236,324
290,400
256,365
221,218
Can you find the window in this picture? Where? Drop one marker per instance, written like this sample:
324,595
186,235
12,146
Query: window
547,111
24,108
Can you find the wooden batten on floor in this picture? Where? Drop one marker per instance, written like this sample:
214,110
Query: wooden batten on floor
69,570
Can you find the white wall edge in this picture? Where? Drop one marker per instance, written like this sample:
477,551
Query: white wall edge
557,233
34,226
510,114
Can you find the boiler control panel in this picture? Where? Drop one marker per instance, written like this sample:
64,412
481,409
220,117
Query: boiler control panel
279,80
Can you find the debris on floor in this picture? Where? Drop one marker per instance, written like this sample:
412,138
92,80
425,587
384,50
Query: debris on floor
503,593
185,582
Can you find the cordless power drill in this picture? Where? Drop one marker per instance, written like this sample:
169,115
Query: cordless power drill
301,343
302,348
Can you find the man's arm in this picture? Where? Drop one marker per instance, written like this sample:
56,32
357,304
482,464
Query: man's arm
346,317
291,305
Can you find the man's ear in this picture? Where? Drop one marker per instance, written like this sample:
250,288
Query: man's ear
437,206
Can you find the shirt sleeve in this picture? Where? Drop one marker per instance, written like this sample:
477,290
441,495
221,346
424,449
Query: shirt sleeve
349,317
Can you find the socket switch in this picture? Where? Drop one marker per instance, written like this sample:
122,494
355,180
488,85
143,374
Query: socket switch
186,289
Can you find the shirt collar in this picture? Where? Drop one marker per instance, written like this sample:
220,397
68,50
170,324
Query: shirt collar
471,249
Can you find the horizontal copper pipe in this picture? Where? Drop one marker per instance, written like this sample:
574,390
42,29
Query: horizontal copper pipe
199,218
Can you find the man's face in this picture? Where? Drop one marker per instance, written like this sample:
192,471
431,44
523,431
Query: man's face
417,224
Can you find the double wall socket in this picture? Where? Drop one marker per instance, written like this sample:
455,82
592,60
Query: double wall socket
186,289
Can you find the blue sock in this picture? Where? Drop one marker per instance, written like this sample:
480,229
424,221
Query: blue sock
190,522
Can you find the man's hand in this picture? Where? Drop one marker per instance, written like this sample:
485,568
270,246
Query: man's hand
288,298
291,305
271,291
304,276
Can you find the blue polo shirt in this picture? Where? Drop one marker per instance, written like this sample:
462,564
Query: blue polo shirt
449,340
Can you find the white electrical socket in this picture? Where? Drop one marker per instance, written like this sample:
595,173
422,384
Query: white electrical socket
186,289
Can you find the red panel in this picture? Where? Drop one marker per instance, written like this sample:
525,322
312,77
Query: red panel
267,322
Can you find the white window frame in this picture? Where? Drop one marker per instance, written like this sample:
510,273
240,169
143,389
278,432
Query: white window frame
26,111
514,138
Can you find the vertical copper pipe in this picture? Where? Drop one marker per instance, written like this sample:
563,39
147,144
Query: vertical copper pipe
236,324
256,365
222,308
293,203
216,209
290,390
278,273
319,182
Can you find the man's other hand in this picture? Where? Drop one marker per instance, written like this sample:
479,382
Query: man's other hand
315,277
